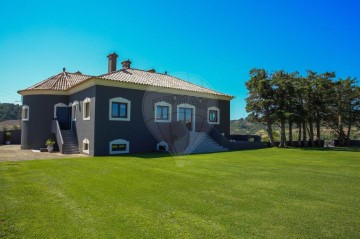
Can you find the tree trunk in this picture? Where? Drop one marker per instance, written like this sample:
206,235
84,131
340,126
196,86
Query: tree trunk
290,133
318,136
270,133
299,136
282,135
305,143
348,140
341,132
311,133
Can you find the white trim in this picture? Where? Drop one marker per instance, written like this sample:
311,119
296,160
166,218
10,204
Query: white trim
87,100
163,103
193,114
162,143
120,100
85,141
119,141
25,107
218,115
56,106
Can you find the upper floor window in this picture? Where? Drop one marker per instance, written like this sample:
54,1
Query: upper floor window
74,107
162,112
119,109
213,115
25,113
86,109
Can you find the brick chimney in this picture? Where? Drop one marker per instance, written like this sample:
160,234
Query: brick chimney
152,70
126,64
112,62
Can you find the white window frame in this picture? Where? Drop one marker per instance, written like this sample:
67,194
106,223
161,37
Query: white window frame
25,107
193,116
74,107
119,141
163,103
120,100
218,115
56,106
86,141
86,101
162,143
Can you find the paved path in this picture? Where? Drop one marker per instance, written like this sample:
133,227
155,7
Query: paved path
14,153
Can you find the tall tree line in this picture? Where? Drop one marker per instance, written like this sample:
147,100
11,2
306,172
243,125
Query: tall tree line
9,111
289,100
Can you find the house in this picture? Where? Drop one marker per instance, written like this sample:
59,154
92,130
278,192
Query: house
124,111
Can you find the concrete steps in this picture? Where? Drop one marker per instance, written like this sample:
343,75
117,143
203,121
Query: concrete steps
71,145
201,142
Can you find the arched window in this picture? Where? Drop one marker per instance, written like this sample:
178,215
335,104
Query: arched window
74,107
162,146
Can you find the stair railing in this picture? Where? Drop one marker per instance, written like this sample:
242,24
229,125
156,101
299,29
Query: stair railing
55,128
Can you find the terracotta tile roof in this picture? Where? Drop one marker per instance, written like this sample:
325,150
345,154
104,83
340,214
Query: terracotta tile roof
156,79
61,81
65,80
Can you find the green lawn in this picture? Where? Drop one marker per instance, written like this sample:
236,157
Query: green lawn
272,193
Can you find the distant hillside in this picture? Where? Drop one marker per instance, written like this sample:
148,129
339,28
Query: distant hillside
9,111
243,126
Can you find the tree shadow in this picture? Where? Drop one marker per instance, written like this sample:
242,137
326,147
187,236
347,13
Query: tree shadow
340,149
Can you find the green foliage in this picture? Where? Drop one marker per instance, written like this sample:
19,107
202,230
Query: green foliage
8,136
49,142
268,193
9,111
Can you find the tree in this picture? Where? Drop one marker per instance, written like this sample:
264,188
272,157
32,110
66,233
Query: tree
260,100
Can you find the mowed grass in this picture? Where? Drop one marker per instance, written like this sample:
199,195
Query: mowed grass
272,193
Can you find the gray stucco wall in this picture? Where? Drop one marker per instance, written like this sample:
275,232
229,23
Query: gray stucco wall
141,131
37,129
85,129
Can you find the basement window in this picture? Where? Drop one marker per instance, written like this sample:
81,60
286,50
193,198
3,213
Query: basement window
86,146
119,146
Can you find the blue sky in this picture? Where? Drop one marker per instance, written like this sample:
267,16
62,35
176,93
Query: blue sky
213,43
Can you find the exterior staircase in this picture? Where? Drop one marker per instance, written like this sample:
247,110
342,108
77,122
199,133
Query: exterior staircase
201,142
71,145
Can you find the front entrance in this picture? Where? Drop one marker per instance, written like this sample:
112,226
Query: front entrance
63,115
186,115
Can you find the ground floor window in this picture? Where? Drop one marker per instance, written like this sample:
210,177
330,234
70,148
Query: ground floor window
213,115
86,109
86,146
25,113
119,146
162,112
119,109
